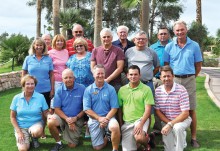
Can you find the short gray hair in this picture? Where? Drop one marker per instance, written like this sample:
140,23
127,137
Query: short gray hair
106,30
67,70
179,22
141,32
98,66
123,27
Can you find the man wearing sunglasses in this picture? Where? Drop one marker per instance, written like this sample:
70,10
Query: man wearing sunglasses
77,32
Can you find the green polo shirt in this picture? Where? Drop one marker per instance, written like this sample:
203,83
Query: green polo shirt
133,101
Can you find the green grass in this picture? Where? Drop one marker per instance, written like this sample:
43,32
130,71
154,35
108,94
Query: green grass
7,68
208,132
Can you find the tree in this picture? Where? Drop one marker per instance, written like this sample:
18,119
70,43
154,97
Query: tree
98,22
15,47
199,11
56,24
145,12
38,30
198,33
68,17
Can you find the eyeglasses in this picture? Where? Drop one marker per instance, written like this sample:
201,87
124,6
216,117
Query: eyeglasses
163,34
78,32
141,39
79,46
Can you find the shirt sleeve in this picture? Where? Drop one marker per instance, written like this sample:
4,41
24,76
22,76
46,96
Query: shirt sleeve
13,103
184,100
51,64
93,56
57,98
44,103
156,60
166,56
119,98
87,99
25,64
114,98
149,99
197,53
120,55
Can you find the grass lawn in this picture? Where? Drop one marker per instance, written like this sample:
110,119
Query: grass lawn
7,68
207,113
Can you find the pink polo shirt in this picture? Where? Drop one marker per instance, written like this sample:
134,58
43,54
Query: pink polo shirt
59,58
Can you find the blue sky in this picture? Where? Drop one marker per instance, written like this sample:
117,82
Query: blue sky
17,17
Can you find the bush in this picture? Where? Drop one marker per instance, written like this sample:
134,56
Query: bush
210,62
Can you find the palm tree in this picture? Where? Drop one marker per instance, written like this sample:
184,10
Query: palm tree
15,48
38,30
145,11
199,11
56,9
98,22
67,18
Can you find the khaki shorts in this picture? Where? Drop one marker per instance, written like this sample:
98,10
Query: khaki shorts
68,135
128,140
26,132
190,85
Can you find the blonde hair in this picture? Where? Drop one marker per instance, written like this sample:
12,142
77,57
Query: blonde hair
27,77
82,41
39,40
61,37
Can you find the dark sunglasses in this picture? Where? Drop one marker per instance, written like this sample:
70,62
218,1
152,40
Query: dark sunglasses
78,32
79,46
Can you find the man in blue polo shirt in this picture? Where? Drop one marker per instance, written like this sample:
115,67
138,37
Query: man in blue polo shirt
185,58
100,103
68,104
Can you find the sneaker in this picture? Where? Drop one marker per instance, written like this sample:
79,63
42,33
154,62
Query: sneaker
152,140
35,142
148,148
87,135
195,143
57,147
108,136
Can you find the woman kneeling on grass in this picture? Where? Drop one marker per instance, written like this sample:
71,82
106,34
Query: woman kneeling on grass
26,114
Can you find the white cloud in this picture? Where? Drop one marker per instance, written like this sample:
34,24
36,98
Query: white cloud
210,16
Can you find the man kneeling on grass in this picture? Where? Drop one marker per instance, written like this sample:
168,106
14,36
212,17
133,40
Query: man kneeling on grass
68,104
172,107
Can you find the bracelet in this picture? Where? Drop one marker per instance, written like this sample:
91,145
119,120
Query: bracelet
170,124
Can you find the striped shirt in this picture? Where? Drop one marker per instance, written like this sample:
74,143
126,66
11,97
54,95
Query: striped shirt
173,103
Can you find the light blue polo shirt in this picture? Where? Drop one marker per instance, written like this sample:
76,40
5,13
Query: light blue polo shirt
40,70
69,101
28,113
100,100
182,60
159,49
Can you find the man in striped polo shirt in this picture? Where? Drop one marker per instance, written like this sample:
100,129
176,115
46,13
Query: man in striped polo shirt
172,107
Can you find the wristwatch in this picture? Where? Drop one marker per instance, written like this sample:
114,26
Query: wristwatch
170,124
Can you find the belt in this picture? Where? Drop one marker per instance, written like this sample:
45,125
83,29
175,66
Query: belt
184,76
145,82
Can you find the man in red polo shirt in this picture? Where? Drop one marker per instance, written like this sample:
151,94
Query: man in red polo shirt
77,32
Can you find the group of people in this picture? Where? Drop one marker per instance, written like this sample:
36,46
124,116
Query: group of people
112,87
